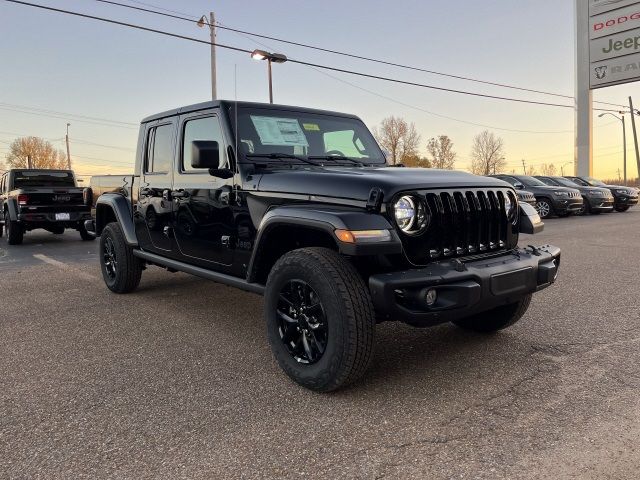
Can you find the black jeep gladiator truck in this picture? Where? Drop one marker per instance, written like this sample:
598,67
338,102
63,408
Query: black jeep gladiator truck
38,198
299,205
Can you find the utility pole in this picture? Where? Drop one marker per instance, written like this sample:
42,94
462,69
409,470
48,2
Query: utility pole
635,135
524,167
624,143
68,154
28,161
212,27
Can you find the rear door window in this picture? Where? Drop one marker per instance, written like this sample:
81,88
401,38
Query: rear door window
160,149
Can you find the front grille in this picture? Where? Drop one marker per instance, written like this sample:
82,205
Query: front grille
463,222
575,194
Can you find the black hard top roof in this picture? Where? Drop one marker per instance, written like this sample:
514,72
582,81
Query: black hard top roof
229,103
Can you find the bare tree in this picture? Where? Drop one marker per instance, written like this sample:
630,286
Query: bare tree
416,161
398,137
441,150
42,153
531,170
487,154
548,169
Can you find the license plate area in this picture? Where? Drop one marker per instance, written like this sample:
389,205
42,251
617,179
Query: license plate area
512,282
63,217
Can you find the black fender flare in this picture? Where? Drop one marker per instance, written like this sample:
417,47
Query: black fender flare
122,210
12,208
530,221
326,219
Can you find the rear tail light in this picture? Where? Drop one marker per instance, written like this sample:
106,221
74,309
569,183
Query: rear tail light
23,199
87,196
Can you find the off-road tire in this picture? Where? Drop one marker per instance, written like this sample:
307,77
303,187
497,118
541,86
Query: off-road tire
497,318
84,235
129,268
349,315
13,230
622,208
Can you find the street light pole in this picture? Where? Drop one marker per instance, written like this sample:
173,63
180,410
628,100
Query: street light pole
270,81
212,29
270,58
624,139
562,167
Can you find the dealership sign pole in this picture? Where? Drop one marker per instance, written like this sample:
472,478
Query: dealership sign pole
607,53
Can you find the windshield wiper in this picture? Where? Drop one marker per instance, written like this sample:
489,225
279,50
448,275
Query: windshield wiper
277,156
337,157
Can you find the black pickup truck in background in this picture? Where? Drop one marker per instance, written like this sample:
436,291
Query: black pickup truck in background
47,199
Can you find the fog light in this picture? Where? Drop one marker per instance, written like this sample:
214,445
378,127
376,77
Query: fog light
431,296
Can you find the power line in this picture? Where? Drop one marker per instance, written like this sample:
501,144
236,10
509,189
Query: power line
346,54
300,62
62,116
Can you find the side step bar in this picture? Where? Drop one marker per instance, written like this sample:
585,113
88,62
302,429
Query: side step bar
200,272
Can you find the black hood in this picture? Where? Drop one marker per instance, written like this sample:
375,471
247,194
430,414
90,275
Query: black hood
356,183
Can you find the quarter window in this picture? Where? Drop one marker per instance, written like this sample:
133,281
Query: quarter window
204,128
160,149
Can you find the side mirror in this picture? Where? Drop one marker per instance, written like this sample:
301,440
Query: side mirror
223,173
519,186
205,154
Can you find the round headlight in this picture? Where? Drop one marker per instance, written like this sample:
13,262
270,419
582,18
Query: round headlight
411,215
405,212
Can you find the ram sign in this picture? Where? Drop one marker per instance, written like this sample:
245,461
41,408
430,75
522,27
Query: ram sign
614,42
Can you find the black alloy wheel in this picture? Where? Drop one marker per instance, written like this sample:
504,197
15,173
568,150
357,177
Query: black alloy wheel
302,323
110,259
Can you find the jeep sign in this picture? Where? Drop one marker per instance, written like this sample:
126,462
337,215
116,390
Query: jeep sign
614,42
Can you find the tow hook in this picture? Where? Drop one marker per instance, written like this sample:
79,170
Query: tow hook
535,251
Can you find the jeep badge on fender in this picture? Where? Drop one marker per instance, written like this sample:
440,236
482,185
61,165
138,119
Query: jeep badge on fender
299,205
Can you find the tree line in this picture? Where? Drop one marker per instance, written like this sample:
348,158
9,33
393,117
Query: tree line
401,141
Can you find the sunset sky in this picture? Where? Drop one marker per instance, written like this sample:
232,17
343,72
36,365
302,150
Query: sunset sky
67,65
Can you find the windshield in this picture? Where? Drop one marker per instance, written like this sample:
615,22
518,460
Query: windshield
565,182
549,181
287,134
594,182
531,181
23,179
580,181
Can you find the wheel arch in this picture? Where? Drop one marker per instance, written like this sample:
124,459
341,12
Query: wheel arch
115,208
287,228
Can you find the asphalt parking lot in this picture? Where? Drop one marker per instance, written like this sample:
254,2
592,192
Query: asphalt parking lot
177,379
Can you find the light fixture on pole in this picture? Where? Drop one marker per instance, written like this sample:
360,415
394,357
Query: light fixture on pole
211,22
563,165
269,57
624,139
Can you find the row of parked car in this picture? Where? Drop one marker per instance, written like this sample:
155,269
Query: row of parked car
564,196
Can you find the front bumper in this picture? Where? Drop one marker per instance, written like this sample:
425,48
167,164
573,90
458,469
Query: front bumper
463,288
567,205
626,201
601,204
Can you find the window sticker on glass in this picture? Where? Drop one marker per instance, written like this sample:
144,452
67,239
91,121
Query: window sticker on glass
311,127
279,131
